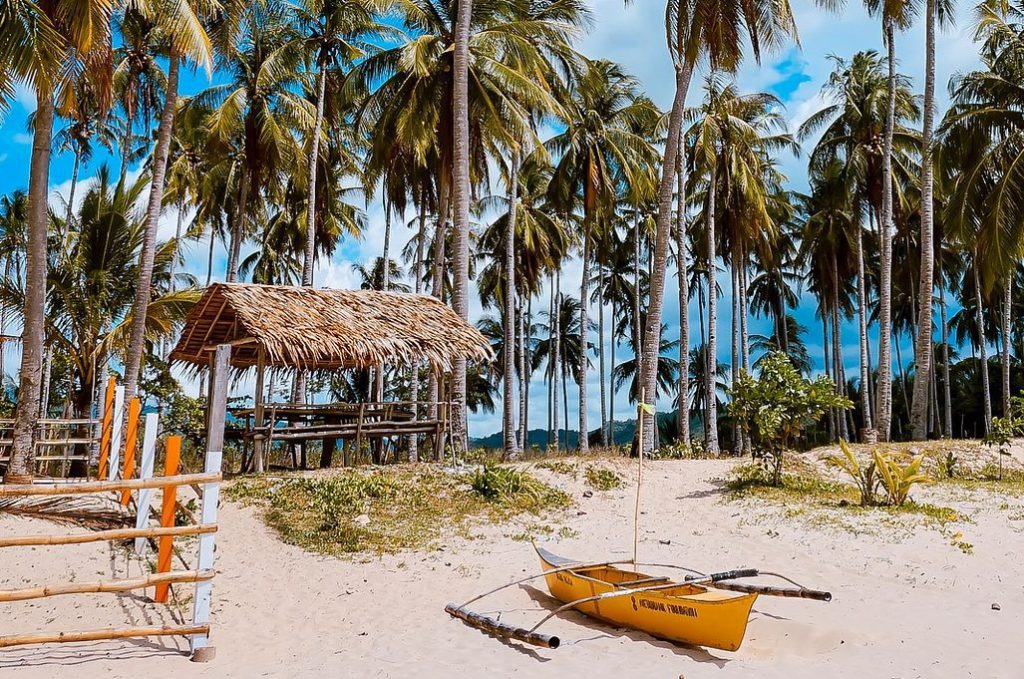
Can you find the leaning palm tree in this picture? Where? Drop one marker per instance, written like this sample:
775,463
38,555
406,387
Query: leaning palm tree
181,27
700,30
44,44
598,147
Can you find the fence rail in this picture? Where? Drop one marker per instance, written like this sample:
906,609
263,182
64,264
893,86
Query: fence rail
207,484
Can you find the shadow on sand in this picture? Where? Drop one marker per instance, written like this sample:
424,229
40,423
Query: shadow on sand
604,631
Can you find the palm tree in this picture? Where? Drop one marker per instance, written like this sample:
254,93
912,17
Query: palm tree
254,115
934,11
851,124
696,30
181,27
42,46
598,147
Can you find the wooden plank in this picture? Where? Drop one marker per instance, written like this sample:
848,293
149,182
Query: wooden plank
108,587
104,536
146,472
16,490
100,635
130,443
217,404
106,429
115,440
172,459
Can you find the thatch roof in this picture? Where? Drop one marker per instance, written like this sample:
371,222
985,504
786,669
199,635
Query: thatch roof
323,329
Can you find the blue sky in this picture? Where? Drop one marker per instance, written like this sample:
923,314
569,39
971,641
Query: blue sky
633,36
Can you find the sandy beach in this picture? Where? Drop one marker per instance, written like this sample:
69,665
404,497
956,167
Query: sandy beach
907,603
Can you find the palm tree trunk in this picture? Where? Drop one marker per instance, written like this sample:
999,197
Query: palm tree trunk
556,370
414,377
21,467
524,379
581,369
947,389
44,391
828,371
437,285
637,339
209,258
460,258
868,435
611,375
837,350
1005,357
600,357
70,214
143,290
238,229
923,347
737,432
3,334
982,351
508,400
682,400
126,148
652,333
385,285
309,255
711,419
883,402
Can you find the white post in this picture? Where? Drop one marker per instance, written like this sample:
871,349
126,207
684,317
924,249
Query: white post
217,403
117,430
146,472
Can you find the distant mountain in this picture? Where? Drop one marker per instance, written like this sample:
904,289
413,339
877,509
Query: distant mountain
622,434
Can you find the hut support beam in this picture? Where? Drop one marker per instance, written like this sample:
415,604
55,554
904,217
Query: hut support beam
259,444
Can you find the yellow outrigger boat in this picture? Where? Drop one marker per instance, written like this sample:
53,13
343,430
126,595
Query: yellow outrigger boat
702,610
676,611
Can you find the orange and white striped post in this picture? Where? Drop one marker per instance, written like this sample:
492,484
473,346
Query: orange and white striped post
130,439
172,459
107,428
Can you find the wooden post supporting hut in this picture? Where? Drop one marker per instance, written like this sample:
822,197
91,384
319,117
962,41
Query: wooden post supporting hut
285,328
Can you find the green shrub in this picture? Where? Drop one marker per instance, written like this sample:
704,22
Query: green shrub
513,487
599,478
774,408
863,476
898,480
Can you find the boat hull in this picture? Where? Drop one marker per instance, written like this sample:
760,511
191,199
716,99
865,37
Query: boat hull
685,613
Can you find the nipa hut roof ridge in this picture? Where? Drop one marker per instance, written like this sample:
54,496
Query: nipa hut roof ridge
326,329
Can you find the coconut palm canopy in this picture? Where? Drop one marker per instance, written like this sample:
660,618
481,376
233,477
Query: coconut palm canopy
324,329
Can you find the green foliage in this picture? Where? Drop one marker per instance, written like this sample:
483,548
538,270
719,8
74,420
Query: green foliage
599,478
898,480
947,464
512,487
863,476
387,510
1004,430
558,467
775,408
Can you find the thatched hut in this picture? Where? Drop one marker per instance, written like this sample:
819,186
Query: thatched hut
316,329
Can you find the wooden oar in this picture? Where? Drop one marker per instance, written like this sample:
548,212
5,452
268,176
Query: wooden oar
798,591
614,594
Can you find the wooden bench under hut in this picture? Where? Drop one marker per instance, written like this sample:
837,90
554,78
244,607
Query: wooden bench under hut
319,330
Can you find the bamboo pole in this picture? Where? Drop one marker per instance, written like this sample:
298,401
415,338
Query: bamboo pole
145,498
107,427
103,587
130,441
91,487
101,635
492,626
639,472
163,563
105,536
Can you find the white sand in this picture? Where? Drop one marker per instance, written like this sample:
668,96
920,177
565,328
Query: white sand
906,605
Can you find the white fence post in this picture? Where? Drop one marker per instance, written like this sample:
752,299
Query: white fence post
216,407
146,472
117,429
